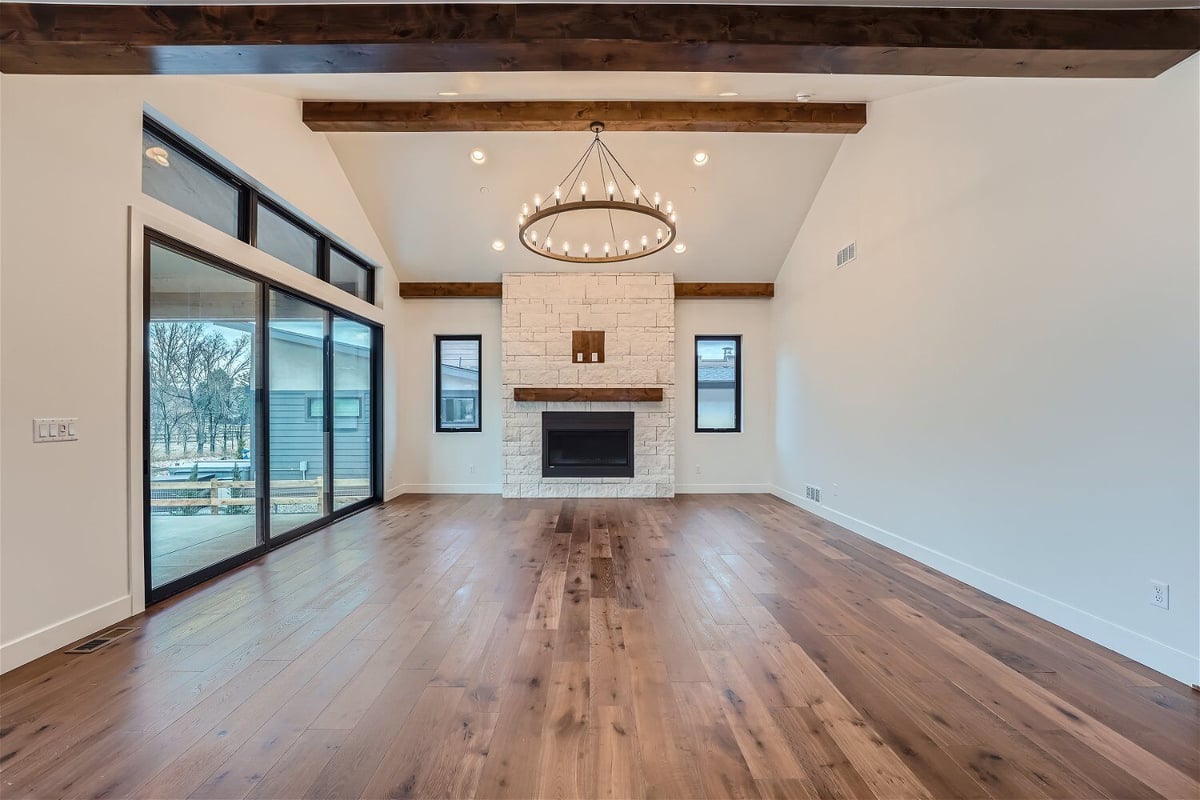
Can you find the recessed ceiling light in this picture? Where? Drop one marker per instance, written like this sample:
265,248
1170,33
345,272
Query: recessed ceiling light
700,158
159,155
681,248
728,94
803,97
498,245
447,94
478,156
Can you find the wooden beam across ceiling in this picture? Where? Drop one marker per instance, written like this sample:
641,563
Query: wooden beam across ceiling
706,290
350,38
435,290
723,117
682,290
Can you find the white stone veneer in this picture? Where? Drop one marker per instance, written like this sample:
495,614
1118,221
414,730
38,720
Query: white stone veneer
636,311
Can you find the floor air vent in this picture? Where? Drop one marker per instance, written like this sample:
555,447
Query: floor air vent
101,641
812,493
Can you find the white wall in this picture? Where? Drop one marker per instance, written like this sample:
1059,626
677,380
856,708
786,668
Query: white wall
1004,384
725,462
71,152
427,461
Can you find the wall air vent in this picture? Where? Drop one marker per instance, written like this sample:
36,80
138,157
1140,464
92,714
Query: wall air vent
812,493
100,641
847,253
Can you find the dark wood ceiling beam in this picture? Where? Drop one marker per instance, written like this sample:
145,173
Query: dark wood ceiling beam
339,38
713,290
724,117
450,289
496,289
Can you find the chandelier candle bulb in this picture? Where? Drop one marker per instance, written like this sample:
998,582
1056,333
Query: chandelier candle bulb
525,209
606,249
583,191
670,206
557,195
626,247
533,236
637,193
658,235
657,199
612,188
566,248
549,243
586,249
645,241
537,202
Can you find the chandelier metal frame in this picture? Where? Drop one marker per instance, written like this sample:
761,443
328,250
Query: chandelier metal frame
607,200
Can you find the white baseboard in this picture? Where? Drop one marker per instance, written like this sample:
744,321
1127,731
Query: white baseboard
37,644
444,488
1154,654
723,488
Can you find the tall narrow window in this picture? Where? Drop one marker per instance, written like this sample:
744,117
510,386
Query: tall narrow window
457,383
718,384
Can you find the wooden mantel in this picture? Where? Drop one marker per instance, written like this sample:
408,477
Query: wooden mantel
586,394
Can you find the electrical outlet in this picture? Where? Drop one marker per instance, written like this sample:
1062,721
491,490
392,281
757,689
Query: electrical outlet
697,469
835,490
1160,594
471,468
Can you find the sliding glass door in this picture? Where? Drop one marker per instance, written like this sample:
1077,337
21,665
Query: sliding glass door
261,416
297,345
353,412
202,372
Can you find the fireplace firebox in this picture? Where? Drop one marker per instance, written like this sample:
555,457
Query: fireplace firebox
587,444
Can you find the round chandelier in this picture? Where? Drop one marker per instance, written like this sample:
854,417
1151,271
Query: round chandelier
615,213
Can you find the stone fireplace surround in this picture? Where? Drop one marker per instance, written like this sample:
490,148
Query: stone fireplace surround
637,313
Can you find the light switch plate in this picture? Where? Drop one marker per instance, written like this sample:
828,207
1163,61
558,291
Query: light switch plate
56,429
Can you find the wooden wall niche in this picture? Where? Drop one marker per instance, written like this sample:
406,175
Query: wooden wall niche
587,347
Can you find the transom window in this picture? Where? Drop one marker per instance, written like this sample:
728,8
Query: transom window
185,177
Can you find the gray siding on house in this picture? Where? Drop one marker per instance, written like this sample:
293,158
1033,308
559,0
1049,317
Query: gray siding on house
295,437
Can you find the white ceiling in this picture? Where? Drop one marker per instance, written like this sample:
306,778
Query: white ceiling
437,213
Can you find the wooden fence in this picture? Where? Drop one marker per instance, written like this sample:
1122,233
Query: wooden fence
208,494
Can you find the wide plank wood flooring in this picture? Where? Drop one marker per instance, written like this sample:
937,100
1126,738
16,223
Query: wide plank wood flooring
721,646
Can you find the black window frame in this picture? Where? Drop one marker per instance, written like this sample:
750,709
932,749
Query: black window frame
736,338
437,381
250,194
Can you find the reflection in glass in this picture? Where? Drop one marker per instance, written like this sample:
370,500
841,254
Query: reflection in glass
170,176
352,343
202,361
348,276
286,241
296,388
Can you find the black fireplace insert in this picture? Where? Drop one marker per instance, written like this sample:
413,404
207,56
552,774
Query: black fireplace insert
587,444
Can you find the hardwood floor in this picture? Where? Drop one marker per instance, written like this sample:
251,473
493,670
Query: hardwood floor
706,646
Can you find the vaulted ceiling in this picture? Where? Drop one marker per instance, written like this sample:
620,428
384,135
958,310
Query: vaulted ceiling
438,213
